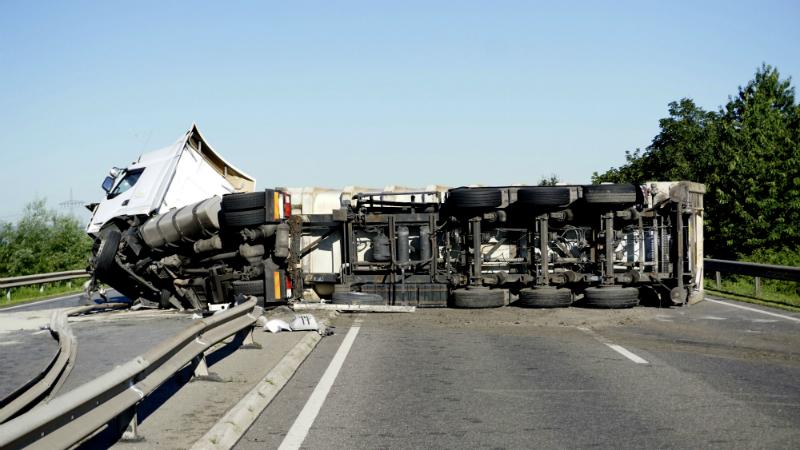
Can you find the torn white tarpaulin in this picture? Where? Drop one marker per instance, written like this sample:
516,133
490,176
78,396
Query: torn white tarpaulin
301,322
276,325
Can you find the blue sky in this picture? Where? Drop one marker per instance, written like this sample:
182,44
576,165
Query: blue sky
363,93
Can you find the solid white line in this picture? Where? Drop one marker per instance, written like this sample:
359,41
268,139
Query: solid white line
299,430
626,353
754,310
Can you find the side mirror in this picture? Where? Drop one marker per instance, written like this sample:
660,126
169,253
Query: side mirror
108,183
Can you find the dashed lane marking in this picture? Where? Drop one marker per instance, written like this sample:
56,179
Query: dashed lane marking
627,353
617,348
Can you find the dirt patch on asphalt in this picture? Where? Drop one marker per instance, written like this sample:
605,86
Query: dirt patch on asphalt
509,318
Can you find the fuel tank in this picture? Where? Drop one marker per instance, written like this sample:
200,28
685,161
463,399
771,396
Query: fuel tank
187,224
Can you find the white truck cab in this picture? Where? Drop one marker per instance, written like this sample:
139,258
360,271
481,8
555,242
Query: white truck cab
183,173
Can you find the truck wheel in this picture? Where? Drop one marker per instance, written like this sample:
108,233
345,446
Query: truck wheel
549,196
106,252
544,297
249,287
611,194
474,198
163,300
250,218
357,298
244,201
610,297
478,297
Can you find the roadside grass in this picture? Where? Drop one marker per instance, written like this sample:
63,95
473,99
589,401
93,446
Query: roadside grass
29,294
779,294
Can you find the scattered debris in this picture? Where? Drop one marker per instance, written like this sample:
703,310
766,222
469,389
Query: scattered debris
277,325
300,322
305,322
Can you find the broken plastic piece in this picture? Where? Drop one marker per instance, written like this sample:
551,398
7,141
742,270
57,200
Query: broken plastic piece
277,325
305,322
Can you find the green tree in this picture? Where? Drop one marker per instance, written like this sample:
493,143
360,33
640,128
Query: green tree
757,187
42,241
748,156
552,180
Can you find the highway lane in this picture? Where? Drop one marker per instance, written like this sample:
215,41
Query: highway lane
67,301
713,376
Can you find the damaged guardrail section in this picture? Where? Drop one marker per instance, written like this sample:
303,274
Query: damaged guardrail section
46,384
49,380
76,415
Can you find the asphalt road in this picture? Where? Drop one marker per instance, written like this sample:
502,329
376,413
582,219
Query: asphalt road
708,376
105,340
67,301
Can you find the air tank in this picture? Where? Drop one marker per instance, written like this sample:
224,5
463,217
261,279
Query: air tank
403,245
189,223
381,251
424,244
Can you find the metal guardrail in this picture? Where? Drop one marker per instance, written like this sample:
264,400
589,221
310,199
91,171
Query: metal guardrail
40,278
758,271
69,419
50,379
45,384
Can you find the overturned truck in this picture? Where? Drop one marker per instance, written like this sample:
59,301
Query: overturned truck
603,246
183,228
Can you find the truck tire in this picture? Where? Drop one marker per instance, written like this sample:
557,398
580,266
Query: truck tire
163,300
478,297
474,198
611,194
107,252
248,287
356,298
244,201
610,297
548,196
250,218
544,297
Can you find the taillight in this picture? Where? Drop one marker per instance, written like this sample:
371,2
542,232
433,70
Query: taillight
276,205
287,205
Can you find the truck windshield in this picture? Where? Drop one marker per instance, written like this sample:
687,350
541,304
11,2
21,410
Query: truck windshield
127,182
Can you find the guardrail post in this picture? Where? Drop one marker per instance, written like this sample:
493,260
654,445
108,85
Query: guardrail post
758,286
8,295
201,368
248,339
129,425
718,277
201,372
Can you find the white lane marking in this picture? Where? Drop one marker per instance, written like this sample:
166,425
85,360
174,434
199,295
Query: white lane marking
627,353
39,302
299,430
713,318
617,348
795,319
